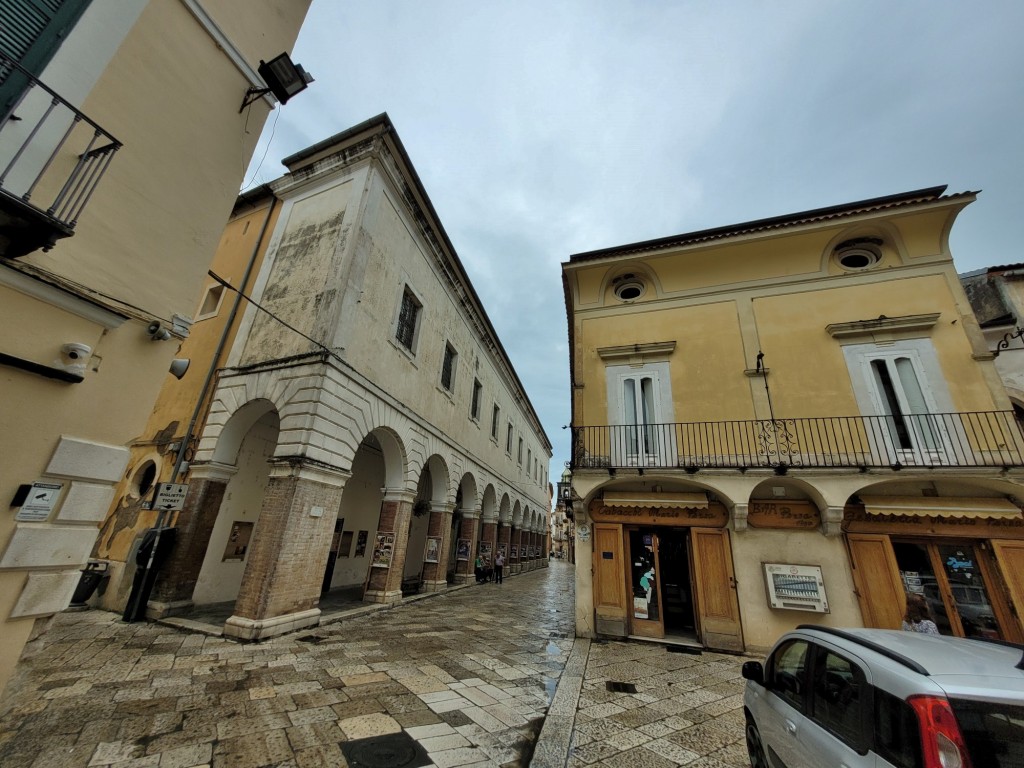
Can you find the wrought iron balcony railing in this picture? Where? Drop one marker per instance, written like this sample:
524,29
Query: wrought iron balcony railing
933,440
52,157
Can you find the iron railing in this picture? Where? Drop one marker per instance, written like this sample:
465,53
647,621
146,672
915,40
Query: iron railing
982,439
49,150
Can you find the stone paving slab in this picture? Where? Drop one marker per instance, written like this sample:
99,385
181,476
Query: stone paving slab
472,675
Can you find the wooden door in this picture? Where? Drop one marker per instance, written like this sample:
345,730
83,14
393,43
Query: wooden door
718,609
645,606
876,578
1010,557
609,580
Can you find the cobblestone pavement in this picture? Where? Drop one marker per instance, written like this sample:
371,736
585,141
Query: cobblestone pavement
465,678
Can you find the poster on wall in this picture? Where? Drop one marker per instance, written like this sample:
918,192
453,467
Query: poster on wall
238,541
503,550
795,587
383,550
361,544
462,553
433,551
515,552
485,551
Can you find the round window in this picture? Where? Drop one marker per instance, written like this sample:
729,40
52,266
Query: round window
145,475
628,287
859,254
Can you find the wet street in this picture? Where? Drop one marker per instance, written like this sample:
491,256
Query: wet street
466,678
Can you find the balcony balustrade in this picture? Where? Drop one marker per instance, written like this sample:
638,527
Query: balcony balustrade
930,440
52,157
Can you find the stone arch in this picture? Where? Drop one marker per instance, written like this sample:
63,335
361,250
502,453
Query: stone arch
441,479
468,491
393,452
517,515
234,431
489,504
505,510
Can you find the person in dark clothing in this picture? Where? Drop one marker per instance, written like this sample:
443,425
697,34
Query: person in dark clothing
499,566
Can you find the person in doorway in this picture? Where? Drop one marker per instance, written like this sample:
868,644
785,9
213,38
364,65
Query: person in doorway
918,618
478,568
499,566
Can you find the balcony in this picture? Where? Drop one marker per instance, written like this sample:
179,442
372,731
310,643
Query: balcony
52,157
933,440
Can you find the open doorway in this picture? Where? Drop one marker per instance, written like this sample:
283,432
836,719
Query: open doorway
661,590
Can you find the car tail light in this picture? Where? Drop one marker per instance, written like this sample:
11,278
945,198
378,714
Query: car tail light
942,744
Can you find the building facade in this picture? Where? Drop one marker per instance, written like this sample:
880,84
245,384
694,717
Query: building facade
110,212
790,420
368,433
997,297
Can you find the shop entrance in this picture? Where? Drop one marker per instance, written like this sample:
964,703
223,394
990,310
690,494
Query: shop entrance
660,583
953,578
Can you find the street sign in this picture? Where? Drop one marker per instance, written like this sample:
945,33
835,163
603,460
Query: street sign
170,497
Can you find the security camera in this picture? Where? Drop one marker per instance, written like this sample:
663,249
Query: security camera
157,332
74,356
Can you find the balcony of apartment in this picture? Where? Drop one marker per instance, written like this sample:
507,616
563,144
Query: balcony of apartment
930,440
52,158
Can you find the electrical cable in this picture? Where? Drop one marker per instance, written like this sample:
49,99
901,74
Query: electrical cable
273,130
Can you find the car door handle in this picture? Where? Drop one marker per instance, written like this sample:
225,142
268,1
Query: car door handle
791,728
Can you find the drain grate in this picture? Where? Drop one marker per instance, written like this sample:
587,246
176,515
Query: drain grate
394,750
616,687
309,639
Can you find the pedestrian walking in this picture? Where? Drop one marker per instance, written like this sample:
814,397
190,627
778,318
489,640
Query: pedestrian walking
499,566
478,568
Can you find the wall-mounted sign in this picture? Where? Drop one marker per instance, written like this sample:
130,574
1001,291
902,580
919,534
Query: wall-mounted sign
170,497
383,550
795,587
38,502
783,514
238,541
583,532
433,551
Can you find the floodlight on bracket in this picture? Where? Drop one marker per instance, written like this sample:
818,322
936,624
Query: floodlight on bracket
283,78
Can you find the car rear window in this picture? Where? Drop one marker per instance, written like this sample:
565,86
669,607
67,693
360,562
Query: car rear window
897,735
994,733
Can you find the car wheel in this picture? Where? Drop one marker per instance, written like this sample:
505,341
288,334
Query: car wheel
755,750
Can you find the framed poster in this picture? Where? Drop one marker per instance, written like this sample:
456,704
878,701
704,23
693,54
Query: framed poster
238,541
433,552
361,544
795,587
485,551
462,552
383,550
515,552
503,550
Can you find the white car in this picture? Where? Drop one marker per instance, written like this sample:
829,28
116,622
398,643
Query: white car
847,698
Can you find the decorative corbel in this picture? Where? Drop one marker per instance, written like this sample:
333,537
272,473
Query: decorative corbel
739,516
831,521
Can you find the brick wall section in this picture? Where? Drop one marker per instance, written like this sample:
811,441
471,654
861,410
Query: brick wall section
490,533
467,531
503,538
440,524
178,577
288,552
517,537
394,518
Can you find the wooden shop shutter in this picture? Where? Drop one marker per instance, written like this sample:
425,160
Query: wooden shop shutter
717,605
876,577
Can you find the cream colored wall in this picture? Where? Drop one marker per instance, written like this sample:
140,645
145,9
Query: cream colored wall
360,506
762,624
146,238
219,579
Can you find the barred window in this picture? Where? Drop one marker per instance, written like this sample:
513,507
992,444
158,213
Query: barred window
448,367
519,458
508,441
477,388
405,334
495,414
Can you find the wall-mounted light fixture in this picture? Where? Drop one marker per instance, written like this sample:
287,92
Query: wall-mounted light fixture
283,78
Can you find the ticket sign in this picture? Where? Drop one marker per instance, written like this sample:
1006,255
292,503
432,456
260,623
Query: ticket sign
170,497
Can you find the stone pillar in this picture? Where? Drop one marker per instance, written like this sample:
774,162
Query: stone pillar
517,539
384,584
467,530
287,556
545,546
176,582
525,549
533,550
439,526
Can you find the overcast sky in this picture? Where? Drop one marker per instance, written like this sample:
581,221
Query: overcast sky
542,129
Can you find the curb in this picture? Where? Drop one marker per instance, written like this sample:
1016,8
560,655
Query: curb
555,740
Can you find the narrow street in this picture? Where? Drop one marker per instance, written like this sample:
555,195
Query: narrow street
465,678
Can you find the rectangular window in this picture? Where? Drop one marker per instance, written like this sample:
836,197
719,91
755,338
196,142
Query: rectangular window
408,317
839,691
211,302
475,408
508,441
495,414
529,461
448,367
519,456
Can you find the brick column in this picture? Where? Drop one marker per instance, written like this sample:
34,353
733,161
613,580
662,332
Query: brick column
517,539
176,582
384,585
467,530
490,535
545,546
533,553
440,525
503,538
287,556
